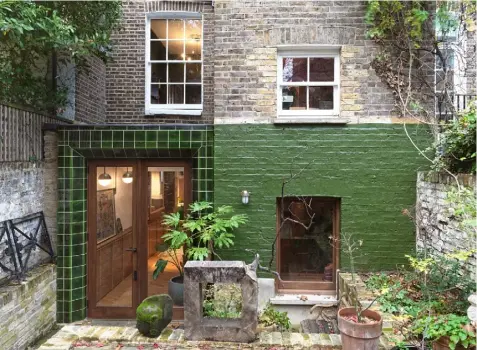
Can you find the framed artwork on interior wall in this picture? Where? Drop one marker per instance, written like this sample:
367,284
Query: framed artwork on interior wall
119,226
106,214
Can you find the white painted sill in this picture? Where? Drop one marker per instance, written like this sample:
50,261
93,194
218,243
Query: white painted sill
164,111
299,299
310,120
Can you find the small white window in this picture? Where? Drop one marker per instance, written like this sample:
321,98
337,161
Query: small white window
308,83
174,63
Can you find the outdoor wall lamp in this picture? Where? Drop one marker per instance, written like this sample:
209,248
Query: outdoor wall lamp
104,179
127,177
245,194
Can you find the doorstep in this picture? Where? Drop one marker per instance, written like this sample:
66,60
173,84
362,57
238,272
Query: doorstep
304,299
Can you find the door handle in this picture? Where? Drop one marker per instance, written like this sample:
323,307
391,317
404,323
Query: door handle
134,250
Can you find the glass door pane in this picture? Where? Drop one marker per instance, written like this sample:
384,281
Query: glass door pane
114,236
306,239
165,196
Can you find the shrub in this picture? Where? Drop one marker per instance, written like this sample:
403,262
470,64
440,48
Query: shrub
456,148
272,317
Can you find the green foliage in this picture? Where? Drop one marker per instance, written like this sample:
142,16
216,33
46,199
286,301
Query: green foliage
436,287
436,283
452,326
222,301
462,207
30,32
456,147
200,233
271,317
388,19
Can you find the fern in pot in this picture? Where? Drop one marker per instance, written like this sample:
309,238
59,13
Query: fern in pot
199,234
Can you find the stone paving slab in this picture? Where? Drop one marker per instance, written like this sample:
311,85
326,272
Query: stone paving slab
86,337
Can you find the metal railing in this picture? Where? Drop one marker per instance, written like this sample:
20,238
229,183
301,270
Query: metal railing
24,244
448,107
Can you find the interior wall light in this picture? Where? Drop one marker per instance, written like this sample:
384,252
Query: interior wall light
104,179
127,177
245,194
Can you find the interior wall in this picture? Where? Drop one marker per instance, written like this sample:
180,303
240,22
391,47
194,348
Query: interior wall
123,195
123,199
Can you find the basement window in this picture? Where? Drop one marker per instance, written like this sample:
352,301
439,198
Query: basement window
308,230
174,63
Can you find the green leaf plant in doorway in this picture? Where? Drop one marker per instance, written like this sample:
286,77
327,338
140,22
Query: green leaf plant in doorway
199,234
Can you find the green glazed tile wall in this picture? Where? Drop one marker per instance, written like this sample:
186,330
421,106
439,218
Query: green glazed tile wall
371,167
93,142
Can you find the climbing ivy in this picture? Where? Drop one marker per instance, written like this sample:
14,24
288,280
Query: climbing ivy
391,19
32,33
410,36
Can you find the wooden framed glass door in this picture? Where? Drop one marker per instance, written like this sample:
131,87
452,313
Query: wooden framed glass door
112,239
166,188
126,202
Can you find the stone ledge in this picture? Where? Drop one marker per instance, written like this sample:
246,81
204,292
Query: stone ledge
310,120
13,290
446,179
303,299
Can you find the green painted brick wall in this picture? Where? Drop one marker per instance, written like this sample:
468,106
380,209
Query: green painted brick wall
371,167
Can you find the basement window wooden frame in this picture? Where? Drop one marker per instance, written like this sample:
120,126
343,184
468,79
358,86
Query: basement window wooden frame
174,63
308,254
308,83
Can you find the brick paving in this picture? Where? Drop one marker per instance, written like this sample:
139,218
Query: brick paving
120,337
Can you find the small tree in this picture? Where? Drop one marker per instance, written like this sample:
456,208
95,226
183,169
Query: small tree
202,232
33,32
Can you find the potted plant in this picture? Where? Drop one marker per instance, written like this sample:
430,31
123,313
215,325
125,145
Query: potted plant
198,234
360,328
446,332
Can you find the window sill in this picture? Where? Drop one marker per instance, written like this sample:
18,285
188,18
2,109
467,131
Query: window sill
297,299
310,120
162,111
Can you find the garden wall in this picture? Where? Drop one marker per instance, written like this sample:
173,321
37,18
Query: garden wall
28,173
28,310
437,226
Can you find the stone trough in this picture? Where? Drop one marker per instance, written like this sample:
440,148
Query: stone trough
197,327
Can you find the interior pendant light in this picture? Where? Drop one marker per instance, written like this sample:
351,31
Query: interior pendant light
104,179
127,177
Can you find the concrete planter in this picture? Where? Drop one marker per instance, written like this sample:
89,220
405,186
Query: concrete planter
176,290
359,336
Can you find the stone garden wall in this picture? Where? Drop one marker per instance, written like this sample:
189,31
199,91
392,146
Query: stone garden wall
27,188
28,310
437,226
28,185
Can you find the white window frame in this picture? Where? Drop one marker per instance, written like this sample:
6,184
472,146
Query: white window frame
173,109
309,52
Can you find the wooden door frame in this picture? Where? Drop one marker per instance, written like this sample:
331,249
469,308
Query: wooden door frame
139,224
298,286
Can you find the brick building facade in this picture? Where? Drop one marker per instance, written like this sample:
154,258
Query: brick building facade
257,124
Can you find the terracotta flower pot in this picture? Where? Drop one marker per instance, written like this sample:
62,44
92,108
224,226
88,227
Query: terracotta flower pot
359,336
443,344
